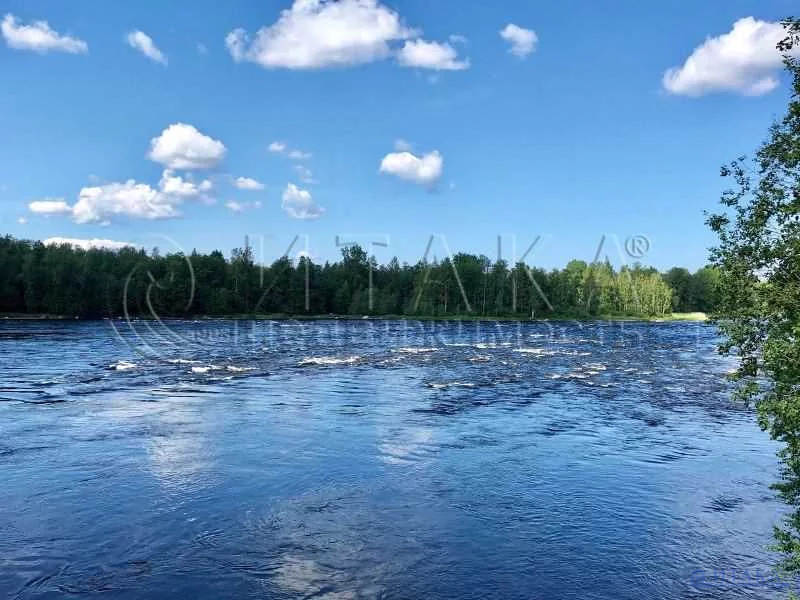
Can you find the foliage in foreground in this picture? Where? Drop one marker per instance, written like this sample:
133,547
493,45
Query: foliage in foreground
64,280
759,259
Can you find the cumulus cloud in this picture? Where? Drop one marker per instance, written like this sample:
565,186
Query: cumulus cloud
50,206
430,55
424,170
39,37
179,146
246,183
744,60
101,203
238,207
315,34
277,147
86,244
182,146
523,41
299,204
175,185
139,40
131,199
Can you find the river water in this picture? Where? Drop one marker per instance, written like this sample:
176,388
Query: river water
378,459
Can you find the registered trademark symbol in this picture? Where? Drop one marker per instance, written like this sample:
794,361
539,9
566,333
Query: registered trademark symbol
637,246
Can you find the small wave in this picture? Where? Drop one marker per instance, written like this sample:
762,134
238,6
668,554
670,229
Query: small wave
182,361
579,375
444,386
122,365
236,369
536,351
724,503
206,369
479,358
329,360
416,350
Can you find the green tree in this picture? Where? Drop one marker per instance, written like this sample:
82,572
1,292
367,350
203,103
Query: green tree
758,256
680,280
704,290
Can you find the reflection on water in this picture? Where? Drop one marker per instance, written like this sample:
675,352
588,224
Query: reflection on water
368,459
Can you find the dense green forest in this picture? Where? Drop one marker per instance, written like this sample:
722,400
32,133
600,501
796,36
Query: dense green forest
66,280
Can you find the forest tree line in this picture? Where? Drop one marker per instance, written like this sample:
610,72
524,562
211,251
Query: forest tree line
67,280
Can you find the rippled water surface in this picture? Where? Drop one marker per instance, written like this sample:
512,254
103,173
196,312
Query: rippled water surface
372,459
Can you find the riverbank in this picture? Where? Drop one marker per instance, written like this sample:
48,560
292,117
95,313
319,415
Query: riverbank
694,316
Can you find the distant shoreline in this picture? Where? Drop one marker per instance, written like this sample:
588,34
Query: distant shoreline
698,317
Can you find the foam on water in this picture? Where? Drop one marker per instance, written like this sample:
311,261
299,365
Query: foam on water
329,360
416,350
123,365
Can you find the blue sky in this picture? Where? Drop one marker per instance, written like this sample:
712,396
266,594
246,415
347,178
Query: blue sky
408,118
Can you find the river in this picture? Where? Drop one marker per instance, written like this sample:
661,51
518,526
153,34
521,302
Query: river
378,459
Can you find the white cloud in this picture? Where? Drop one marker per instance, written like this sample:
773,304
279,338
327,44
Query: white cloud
181,146
139,40
299,204
50,206
175,185
744,60
299,155
402,145
430,55
315,34
39,37
130,199
278,147
86,244
246,183
304,174
22,221
101,203
523,41
425,170
238,207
